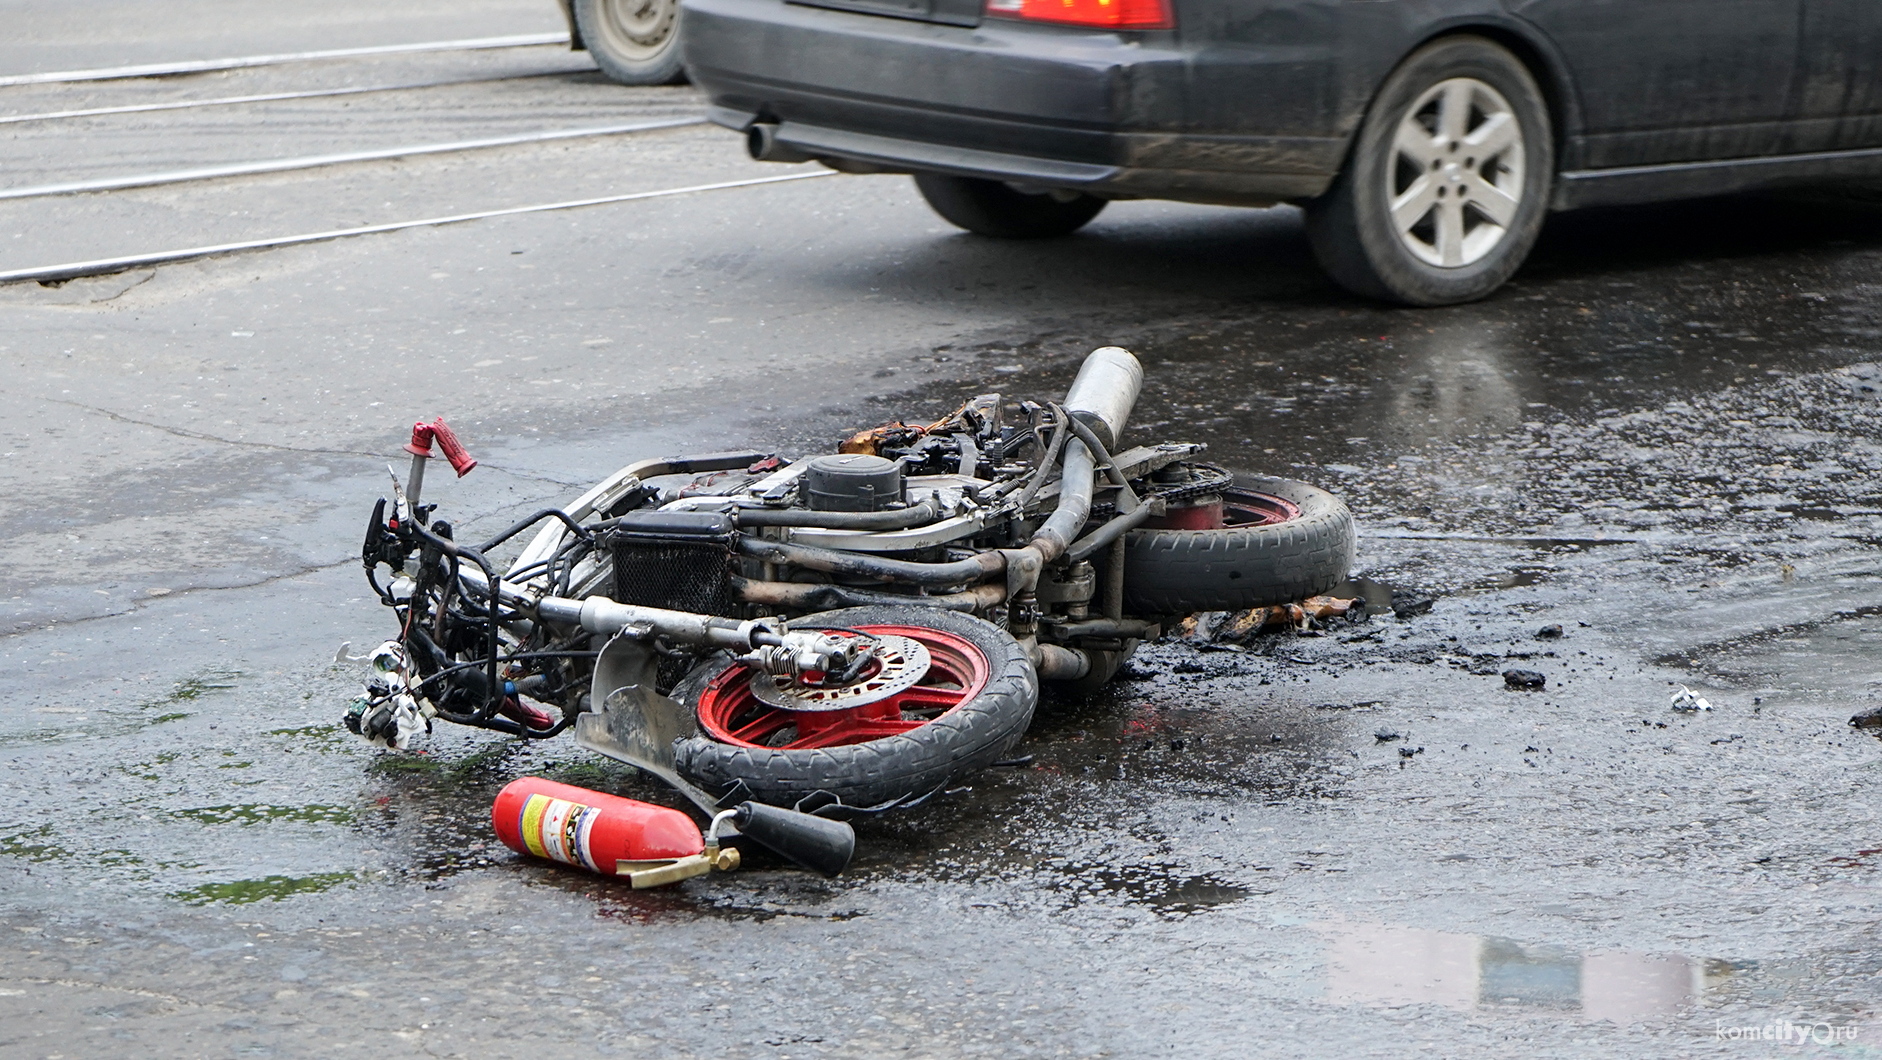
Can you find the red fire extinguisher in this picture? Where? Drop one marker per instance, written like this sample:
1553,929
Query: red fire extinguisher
650,845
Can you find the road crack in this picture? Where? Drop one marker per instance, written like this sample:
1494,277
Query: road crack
184,432
174,999
138,605
177,594
149,275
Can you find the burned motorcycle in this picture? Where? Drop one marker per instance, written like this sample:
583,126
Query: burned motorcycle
837,633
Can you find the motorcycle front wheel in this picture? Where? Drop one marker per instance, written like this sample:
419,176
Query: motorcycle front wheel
968,711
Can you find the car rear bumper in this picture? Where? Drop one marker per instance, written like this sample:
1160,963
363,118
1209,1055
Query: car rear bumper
1049,106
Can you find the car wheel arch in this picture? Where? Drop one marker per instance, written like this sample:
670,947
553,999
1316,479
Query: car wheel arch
1545,64
1521,40
576,44
1361,233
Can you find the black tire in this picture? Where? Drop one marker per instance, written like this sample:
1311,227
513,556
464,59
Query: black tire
1181,572
1351,226
994,208
908,766
635,42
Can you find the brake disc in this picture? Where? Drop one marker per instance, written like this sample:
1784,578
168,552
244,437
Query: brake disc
902,662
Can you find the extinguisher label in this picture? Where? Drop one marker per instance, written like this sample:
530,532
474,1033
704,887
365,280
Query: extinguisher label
558,829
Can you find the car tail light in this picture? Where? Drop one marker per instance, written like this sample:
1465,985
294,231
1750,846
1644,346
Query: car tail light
1103,14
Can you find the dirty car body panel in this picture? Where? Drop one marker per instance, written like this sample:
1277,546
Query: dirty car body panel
1255,101
1142,112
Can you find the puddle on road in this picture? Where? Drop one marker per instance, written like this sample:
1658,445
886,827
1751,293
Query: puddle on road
1829,660
1386,966
193,688
108,719
34,844
755,896
1167,889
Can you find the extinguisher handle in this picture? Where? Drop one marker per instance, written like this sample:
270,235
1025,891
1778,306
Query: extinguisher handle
454,450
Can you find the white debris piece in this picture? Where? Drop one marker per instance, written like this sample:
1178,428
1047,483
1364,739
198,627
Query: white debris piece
388,715
1688,701
395,722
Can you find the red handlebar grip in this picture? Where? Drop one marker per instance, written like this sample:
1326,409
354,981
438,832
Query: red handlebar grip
454,450
420,445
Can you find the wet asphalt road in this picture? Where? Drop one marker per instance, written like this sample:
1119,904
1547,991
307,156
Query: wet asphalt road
1661,439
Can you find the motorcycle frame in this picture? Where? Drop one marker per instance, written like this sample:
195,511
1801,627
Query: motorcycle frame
1046,585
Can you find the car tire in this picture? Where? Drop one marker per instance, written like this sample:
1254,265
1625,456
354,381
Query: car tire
1448,180
635,42
1304,549
995,208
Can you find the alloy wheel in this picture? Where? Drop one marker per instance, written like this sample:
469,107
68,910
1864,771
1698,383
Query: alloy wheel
1455,173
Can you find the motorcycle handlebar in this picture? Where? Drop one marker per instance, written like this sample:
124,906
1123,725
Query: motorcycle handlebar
454,450
423,434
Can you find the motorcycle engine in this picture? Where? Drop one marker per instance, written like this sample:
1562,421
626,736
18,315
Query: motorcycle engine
851,482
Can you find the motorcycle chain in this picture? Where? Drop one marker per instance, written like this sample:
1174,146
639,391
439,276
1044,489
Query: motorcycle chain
1205,479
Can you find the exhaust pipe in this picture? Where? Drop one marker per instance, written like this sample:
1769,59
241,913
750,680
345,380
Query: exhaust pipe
761,142
1105,391
1101,398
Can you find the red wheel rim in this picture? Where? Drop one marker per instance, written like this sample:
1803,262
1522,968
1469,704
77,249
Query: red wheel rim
957,672
1242,507
1232,507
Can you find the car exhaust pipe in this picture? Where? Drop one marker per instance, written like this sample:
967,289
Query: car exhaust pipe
761,142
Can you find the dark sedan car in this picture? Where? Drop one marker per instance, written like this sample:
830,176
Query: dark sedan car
1425,138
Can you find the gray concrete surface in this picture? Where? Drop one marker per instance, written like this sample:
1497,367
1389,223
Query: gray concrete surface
1662,438
90,34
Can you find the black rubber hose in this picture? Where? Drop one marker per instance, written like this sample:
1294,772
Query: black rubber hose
512,657
562,565
458,552
483,718
1106,464
505,725
1047,461
897,519
525,524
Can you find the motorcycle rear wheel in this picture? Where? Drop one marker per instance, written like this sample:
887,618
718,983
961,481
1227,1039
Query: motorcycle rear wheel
1285,541
969,711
